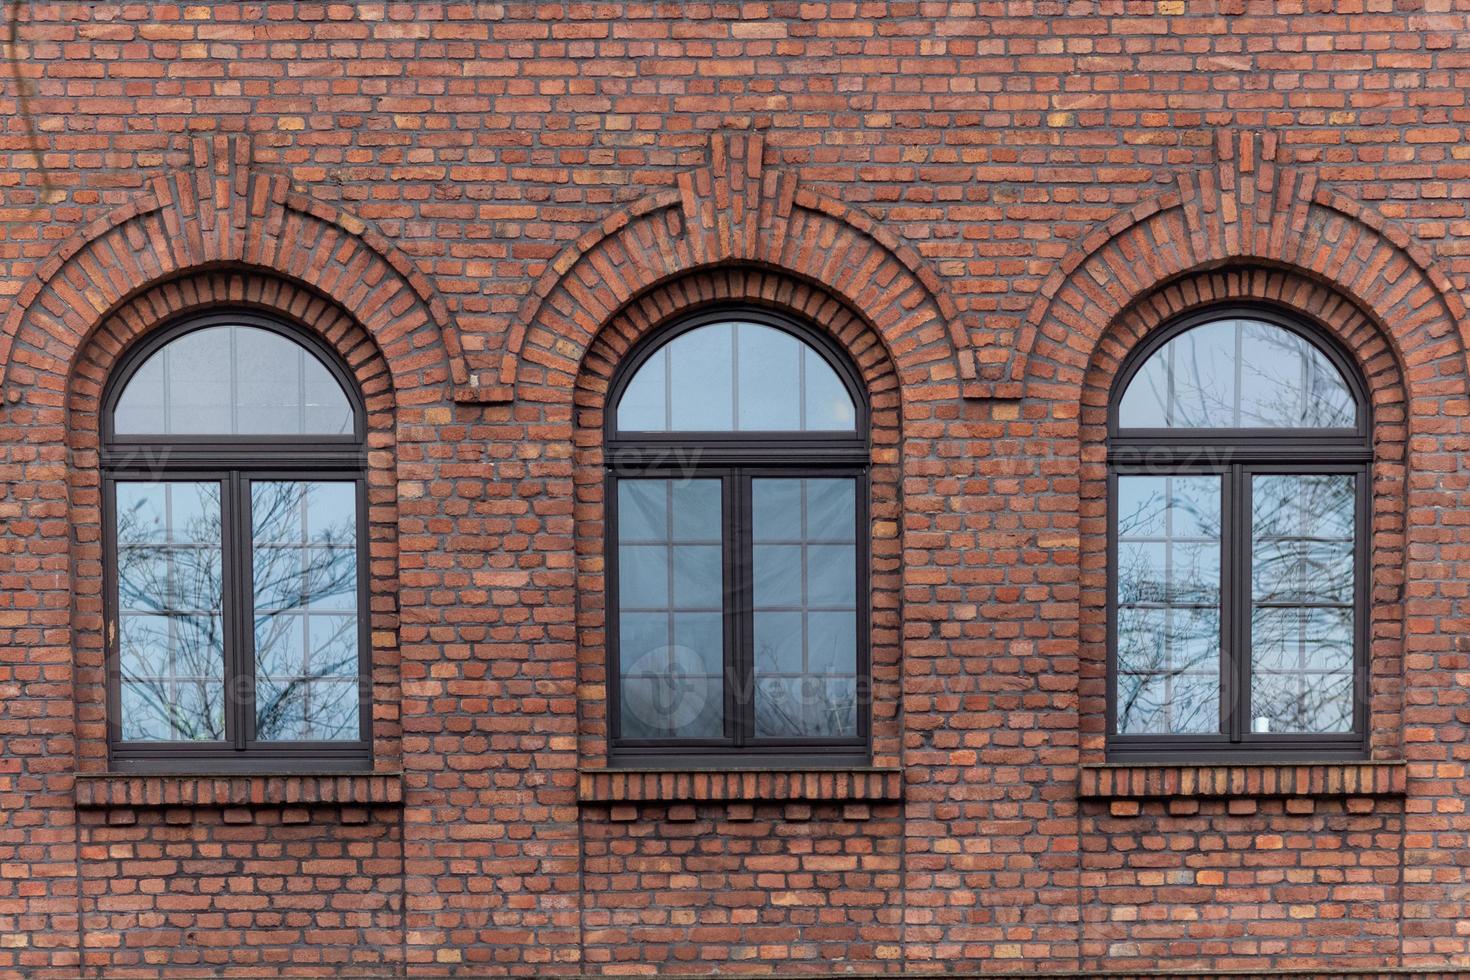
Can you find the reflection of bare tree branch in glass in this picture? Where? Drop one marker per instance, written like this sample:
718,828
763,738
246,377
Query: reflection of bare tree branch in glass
1302,601
1168,605
170,589
815,704
172,643
302,673
1238,373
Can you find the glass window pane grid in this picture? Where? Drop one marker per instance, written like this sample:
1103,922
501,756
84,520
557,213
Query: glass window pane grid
672,672
1174,678
1318,396
177,680
807,679
1303,683
660,370
294,713
173,417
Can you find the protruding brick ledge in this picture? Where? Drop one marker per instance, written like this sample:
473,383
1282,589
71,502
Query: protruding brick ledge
1145,781
680,786
120,790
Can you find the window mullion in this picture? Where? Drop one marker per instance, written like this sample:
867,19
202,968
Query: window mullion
739,601
1240,602
235,611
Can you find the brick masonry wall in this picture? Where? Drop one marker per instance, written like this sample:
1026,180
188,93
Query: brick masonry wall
480,206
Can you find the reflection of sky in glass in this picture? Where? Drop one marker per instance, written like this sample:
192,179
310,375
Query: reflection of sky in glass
735,377
1302,574
170,611
232,380
304,556
1237,373
805,574
1168,604
671,640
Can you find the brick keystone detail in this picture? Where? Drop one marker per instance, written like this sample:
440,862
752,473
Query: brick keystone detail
733,213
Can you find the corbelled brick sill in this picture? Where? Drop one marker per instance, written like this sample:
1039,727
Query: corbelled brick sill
1152,780
681,786
119,790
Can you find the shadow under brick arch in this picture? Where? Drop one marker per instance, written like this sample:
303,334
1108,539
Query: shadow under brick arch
223,212
735,212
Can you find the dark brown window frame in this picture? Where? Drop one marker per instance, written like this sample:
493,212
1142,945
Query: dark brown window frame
736,458
1236,455
234,461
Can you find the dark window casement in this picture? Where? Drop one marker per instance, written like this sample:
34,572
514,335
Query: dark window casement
737,536
234,505
1239,460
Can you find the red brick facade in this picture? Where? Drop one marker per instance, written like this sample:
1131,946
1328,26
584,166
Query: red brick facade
482,207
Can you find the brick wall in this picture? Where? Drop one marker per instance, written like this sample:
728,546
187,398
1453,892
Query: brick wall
481,207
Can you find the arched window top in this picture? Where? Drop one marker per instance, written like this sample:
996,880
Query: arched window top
733,374
232,375
1238,371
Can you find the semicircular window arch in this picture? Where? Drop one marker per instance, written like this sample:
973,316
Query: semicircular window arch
234,505
233,378
1240,461
736,375
738,547
1238,372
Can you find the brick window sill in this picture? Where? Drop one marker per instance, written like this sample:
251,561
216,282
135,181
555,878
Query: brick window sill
596,786
1139,781
183,790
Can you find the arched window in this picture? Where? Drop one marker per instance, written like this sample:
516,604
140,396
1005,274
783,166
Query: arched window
1239,454
234,506
737,458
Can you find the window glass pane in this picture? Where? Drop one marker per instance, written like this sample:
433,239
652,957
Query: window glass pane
170,611
1302,588
1168,605
670,618
233,380
305,577
805,591
701,380
1238,373
735,377
770,378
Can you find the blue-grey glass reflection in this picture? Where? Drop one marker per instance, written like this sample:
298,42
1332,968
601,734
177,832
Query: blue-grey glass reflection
670,618
1238,373
305,576
1302,586
1168,605
233,380
736,376
805,576
170,611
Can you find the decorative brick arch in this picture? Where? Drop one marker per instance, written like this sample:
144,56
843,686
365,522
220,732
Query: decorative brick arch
94,363
1369,348
1249,210
881,384
224,213
731,213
